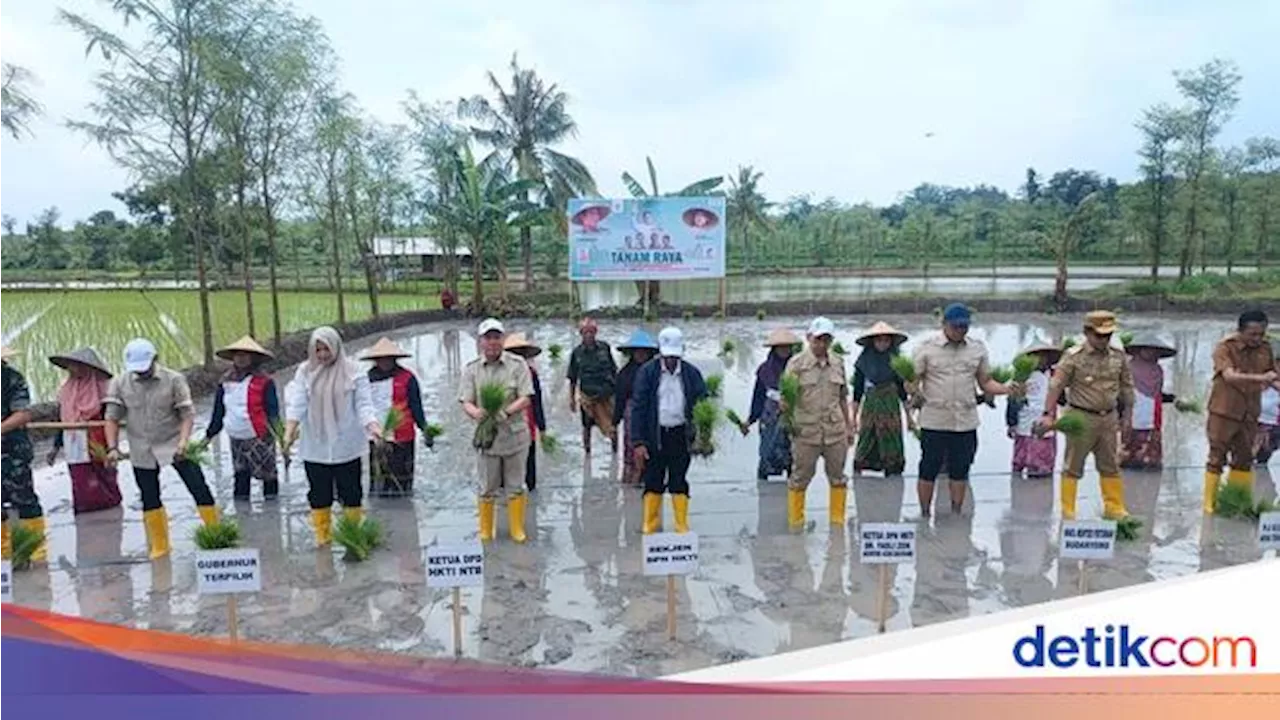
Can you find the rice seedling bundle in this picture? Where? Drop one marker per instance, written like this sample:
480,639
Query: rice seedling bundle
23,543
358,537
904,367
493,397
714,385
706,416
789,388
218,536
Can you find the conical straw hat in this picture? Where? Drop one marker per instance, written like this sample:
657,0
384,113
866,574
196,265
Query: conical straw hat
86,356
782,336
1151,340
7,352
520,345
882,328
244,344
384,348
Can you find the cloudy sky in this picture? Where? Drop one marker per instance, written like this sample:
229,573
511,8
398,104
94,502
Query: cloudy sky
829,97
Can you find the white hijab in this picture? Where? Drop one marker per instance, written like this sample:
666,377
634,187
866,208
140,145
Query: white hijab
328,383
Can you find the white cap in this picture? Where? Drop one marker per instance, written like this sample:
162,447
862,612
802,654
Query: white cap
491,325
822,326
671,342
138,355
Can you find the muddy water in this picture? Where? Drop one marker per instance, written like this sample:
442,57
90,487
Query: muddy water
574,596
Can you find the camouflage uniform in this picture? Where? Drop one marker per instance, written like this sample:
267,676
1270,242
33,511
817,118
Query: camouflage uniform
19,491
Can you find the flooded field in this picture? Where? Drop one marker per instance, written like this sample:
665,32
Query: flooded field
574,596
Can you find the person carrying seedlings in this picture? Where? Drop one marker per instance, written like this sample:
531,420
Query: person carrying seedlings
1143,442
396,396
329,404
823,425
1267,441
879,396
592,375
157,403
947,366
247,407
80,399
495,390
766,408
1099,387
1243,365
1033,453
638,349
534,416
18,483
662,407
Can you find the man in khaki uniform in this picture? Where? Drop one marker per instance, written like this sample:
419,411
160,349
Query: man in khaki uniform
1242,366
502,464
823,426
1099,384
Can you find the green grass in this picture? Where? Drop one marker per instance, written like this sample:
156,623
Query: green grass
727,346
358,537
789,388
1127,528
24,542
1233,501
714,385
218,536
706,416
493,397
1071,423
555,350
550,443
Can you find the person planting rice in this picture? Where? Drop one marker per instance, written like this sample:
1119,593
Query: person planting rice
1033,453
592,375
1267,441
495,390
1099,387
247,407
879,395
19,488
1144,437
534,415
639,349
766,407
396,395
80,399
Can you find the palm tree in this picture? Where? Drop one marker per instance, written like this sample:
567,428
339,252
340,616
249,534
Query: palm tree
705,186
521,126
747,206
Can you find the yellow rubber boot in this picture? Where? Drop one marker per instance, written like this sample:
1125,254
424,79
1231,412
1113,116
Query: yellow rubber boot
1069,486
839,496
486,520
41,553
1242,478
6,550
353,514
1113,498
515,517
795,508
208,513
157,525
652,513
322,524
1211,482
680,506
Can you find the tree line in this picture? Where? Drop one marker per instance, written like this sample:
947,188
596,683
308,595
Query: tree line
248,157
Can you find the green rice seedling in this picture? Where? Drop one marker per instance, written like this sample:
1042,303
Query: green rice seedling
1233,501
550,443
837,347
1002,373
196,451
218,536
1071,423
904,367
1126,337
1068,343
434,430
706,416
687,315
358,537
797,348
1023,367
23,543
554,351
760,314
727,346
493,397
651,315
1262,506
390,421
714,384
1127,528
732,416
1188,405
789,388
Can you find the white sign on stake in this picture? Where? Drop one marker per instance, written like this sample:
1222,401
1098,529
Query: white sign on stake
670,553
1269,531
6,581
886,543
1087,540
234,570
456,565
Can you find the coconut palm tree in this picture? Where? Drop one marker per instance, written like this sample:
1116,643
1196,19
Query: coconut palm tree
747,206
522,125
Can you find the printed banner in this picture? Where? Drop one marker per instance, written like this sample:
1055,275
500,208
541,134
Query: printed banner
653,238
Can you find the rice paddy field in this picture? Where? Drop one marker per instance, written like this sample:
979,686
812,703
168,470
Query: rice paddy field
39,323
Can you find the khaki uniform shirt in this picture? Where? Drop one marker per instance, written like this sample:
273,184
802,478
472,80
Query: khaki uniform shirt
1095,380
948,375
1238,402
154,407
823,392
511,372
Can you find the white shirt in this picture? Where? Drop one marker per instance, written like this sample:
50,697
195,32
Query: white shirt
352,440
1037,390
1270,407
670,398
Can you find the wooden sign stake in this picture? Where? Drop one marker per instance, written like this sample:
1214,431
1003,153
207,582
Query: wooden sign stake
1084,582
457,622
671,607
723,299
882,597
233,620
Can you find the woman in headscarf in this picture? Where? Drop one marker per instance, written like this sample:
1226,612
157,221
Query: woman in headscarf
1143,440
639,349
775,445
879,402
328,401
93,482
534,415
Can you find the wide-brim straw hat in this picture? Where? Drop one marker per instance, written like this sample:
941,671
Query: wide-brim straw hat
245,344
1053,350
7,352
782,337
384,348
86,356
1152,341
520,345
879,329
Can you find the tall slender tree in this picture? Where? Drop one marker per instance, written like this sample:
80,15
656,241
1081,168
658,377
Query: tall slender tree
18,107
1160,127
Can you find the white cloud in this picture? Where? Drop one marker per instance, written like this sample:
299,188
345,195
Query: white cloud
827,98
